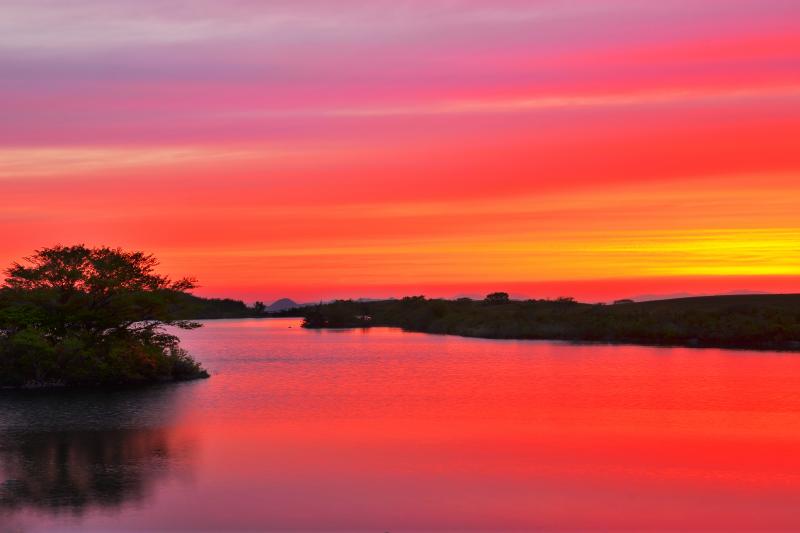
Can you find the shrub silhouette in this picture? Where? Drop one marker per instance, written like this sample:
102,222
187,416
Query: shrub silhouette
497,297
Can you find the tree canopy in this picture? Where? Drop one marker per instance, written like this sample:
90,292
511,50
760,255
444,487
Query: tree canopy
80,315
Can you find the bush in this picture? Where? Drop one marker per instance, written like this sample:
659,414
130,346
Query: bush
91,316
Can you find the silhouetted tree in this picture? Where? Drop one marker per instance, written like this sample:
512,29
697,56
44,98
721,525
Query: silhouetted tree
497,297
73,314
260,308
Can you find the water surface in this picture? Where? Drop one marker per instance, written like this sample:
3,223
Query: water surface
383,430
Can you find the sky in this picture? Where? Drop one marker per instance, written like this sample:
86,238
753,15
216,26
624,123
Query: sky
314,149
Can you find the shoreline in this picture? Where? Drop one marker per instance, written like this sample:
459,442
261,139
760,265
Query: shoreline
741,322
788,347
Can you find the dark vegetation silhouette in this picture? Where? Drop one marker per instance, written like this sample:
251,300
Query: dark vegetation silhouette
73,315
497,297
747,321
191,307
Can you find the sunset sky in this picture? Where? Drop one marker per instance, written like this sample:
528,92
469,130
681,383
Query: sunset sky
314,149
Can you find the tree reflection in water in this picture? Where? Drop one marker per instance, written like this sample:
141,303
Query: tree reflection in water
79,451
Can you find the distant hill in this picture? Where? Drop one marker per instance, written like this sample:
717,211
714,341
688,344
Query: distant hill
684,295
282,305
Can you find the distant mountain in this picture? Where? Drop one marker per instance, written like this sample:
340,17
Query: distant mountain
282,305
670,296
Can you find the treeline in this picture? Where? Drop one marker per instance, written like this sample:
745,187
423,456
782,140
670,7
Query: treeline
748,321
191,307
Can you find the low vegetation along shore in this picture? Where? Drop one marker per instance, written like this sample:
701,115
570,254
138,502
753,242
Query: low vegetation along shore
768,322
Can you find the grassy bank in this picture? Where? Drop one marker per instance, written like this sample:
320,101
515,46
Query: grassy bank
749,321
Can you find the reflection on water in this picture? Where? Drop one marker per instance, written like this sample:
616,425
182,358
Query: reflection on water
382,430
74,452
75,469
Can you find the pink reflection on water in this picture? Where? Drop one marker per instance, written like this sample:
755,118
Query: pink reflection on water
382,430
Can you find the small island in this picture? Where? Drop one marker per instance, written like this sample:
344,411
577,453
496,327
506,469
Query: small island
73,316
762,322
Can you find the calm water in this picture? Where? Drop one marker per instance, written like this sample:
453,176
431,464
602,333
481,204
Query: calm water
382,430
